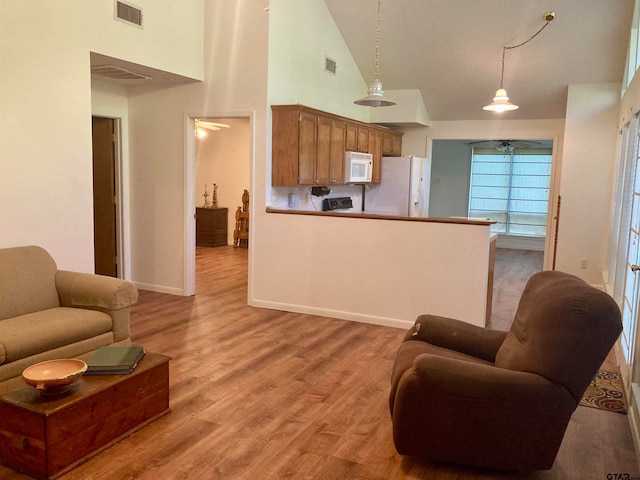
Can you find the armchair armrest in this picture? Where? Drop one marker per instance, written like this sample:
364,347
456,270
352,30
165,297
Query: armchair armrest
97,292
88,290
476,380
457,335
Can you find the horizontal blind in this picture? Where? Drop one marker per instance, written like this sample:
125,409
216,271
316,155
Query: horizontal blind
512,189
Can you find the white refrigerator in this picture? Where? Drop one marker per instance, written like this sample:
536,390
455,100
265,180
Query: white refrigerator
403,189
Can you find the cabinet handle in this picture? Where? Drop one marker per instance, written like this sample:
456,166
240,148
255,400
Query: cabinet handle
634,268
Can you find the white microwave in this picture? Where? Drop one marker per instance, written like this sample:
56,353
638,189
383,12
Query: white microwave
358,167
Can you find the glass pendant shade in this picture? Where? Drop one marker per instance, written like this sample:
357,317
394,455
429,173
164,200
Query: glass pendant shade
501,100
375,97
500,103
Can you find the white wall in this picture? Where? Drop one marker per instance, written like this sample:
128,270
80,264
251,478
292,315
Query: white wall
409,109
223,157
450,170
376,271
45,115
587,174
234,85
301,33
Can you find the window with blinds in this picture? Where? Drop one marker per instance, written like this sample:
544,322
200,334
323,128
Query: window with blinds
511,188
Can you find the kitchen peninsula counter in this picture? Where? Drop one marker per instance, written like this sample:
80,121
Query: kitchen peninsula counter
374,268
382,216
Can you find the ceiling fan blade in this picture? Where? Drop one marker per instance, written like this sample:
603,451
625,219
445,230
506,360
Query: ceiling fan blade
207,127
211,125
486,143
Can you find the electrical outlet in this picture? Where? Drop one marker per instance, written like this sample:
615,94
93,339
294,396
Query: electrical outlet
307,198
584,263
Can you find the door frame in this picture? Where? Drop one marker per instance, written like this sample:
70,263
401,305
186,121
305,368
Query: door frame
122,271
189,283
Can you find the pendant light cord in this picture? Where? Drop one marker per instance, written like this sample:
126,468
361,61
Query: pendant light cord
505,48
377,41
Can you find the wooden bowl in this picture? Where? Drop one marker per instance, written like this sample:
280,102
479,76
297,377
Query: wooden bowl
54,377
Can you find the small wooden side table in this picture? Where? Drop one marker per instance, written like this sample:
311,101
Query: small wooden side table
46,438
211,227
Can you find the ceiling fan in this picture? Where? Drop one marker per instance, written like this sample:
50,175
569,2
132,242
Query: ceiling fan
203,125
504,145
210,125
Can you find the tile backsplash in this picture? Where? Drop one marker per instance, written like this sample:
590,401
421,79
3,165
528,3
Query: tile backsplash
301,198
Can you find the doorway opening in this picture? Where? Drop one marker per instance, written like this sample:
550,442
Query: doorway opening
218,166
513,183
509,181
106,197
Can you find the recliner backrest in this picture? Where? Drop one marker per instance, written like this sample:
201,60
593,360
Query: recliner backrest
563,330
27,281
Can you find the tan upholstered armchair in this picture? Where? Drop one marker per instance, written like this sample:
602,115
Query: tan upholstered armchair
468,395
46,313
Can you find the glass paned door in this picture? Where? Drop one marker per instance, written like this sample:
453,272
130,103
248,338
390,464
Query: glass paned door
630,292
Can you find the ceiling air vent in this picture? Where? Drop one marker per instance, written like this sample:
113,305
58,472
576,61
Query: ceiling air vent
330,65
118,73
128,13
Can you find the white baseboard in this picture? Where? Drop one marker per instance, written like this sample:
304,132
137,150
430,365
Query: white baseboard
323,312
520,243
159,288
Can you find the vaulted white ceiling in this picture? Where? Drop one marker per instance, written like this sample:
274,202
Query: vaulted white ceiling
451,50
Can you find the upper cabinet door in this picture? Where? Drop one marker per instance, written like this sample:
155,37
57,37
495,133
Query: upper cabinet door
323,151
375,142
392,143
357,138
307,141
338,142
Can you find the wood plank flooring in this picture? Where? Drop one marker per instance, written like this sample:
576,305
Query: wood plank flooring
264,394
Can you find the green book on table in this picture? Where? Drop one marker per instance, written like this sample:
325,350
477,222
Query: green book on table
114,359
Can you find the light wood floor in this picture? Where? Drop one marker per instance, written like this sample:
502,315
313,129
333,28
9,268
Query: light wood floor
263,394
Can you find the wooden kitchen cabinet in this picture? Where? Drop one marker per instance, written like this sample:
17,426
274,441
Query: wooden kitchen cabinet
392,143
357,138
308,145
375,144
308,142
211,227
336,163
307,148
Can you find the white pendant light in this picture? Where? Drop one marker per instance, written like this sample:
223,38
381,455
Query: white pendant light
501,103
375,94
501,100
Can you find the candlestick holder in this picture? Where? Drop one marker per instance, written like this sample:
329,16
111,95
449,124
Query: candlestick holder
206,197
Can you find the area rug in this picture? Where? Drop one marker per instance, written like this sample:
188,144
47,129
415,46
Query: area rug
605,392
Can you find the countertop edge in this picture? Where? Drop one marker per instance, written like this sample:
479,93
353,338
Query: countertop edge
377,216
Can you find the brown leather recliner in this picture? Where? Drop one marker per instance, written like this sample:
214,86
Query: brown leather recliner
469,395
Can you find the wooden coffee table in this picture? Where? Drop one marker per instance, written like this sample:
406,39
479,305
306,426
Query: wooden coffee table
46,438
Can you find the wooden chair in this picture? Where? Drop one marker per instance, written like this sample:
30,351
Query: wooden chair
241,232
